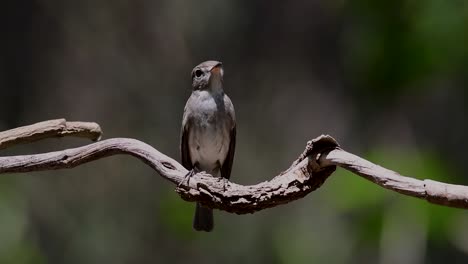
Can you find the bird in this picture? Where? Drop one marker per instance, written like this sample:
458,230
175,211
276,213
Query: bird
208,133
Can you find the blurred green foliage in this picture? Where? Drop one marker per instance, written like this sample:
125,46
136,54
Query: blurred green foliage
386,78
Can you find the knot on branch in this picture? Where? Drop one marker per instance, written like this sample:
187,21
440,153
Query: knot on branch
304,176
317,162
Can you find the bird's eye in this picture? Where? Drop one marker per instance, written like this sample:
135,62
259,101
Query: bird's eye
198,73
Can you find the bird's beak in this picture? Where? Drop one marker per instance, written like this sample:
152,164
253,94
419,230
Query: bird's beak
216,78
217,70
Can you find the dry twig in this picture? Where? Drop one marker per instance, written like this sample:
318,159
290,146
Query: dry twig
47,129
305,175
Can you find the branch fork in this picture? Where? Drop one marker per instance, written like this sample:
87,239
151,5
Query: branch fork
317,162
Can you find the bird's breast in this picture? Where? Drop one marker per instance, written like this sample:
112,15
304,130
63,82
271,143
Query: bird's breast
209,137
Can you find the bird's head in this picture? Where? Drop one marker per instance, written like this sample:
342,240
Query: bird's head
208,75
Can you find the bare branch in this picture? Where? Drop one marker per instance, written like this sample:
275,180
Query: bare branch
433,191
306,174
47,129
295,183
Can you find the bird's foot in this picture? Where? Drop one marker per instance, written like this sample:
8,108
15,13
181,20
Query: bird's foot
187,177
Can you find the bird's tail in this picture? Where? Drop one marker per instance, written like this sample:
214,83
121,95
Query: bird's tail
203,220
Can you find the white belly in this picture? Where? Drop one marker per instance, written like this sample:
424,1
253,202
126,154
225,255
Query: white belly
210,131
211,148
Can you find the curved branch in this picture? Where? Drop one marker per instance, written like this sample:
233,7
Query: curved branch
47,129
306,174
435,192
300,179
70,158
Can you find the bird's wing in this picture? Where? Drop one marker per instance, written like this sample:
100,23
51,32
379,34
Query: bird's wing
184,145
227,165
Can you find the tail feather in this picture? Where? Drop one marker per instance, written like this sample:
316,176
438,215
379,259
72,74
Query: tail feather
203,220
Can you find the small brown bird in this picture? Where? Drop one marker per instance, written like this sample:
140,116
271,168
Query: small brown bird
208,135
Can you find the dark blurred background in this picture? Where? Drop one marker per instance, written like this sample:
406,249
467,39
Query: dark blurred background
386,78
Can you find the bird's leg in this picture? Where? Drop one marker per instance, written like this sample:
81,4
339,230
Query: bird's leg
189,175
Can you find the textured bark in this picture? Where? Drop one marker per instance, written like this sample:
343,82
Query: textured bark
306,174
47,129
433,191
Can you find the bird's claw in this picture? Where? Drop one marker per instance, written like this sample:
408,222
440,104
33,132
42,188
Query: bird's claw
187,177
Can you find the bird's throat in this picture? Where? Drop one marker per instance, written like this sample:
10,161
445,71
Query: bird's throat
216,86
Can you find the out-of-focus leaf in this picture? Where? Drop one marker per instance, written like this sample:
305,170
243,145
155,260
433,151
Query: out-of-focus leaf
421,165
176,214
14,248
